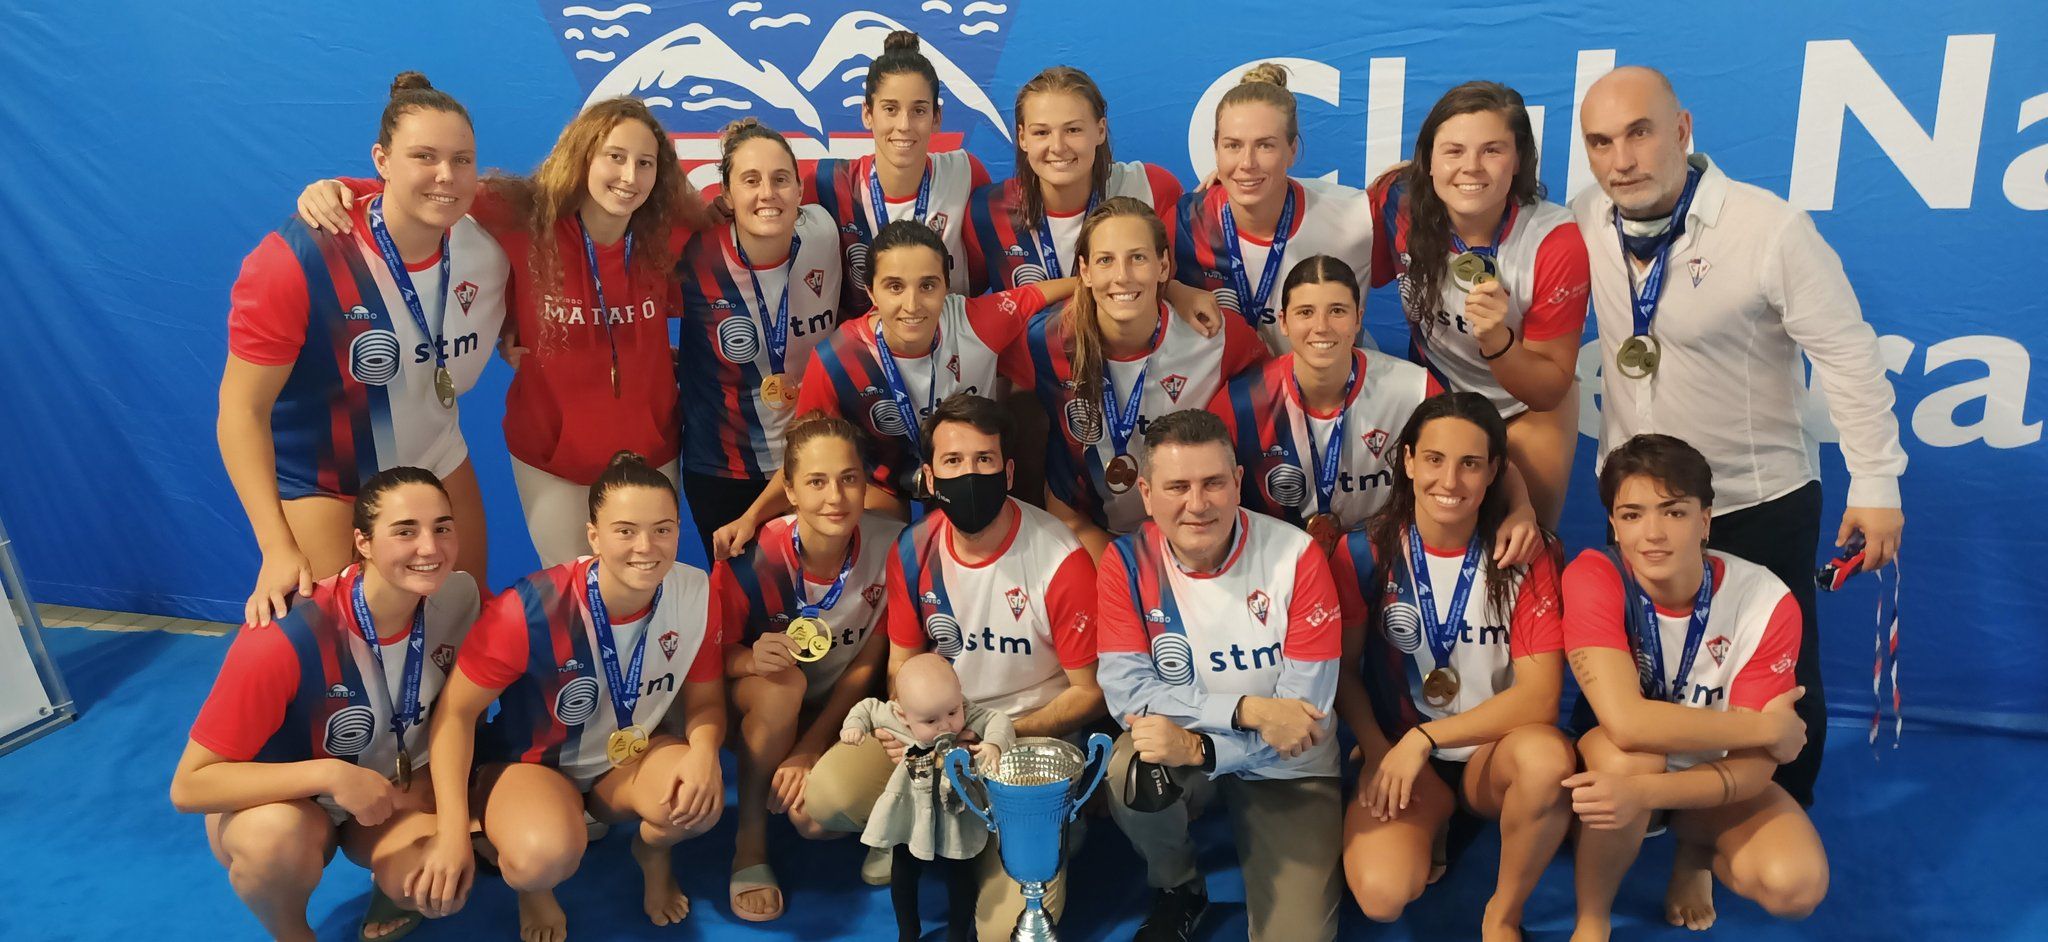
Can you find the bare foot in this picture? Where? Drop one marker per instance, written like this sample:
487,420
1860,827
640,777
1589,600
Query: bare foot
1689,900
1592,928
1497,925
660,896
541,918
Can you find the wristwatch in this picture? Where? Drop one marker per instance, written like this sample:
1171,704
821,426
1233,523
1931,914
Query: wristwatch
1208,749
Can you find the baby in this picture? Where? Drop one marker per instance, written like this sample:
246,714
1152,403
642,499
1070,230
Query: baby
918,814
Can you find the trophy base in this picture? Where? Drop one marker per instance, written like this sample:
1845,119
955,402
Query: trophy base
1033,924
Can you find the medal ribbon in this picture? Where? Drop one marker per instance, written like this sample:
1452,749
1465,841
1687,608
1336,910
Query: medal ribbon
403,279
1441,635
1644,296
1650,638
1048,251
1325,461
805,608
1887,657
1250,304
1500,233
776,330
597,284
625,688
406,710
900,393
880,203
1122,421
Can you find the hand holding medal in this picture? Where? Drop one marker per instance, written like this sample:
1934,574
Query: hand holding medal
812,638
1486,314
810,634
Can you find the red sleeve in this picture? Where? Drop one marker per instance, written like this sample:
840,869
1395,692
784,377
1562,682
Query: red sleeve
1070,604
495,652
1120,632
1563,284
1000,318
1430,387
809,176
1242,348
1014,363
1351,592
256,683
977,175
709,664
905,631
1593,604
730,604
1314,619
267,306
1537,625
1166,194
816,393
493,211
1383,267
1768,672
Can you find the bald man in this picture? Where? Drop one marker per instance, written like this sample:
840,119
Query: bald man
1707,292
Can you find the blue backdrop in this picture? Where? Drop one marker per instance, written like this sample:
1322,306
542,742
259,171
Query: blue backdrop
150,145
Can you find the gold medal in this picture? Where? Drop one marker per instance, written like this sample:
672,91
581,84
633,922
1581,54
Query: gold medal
812,636
444,387
1440,687
1323,529
1471,269
1121,474
772,392
1638,356
626,746
403,776
615,381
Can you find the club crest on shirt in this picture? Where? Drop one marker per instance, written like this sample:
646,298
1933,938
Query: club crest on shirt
1719,649
465,295
1173,385
1698,269
953,364
872,595
937,222
1018,600
668,644
815,280
1375,441
444,657
1782,664
1259,603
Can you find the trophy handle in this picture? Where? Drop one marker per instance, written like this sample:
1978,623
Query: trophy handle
1092,771
960,771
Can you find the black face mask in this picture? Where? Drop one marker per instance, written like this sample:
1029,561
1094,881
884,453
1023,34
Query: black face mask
971,501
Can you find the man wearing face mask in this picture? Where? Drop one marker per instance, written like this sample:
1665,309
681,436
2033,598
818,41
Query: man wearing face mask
1004,591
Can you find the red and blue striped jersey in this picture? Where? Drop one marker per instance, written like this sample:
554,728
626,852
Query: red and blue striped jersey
841,186
1003,253
757,594
1330,219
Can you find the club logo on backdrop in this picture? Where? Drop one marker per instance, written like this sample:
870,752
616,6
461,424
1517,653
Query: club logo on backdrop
373,357
349,731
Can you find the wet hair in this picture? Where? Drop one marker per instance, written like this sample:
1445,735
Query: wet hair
627,469
1678,468
1082,325
410,92
1319,270
1060,79
815,425
904,233
980,412
1265,83
1429,222
739,132
900,54
1389,528
1186,427
370,497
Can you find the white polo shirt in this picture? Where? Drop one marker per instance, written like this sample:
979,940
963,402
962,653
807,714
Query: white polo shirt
1749,284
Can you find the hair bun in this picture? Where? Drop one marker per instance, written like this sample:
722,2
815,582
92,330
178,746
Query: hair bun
901,40
409,81
1272,72
733,129
625,456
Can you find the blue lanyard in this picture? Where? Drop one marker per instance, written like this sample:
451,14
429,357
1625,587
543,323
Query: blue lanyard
1650,638
1500,233
406,711
1644,297
1048,250
898,392
805,608
1442,635
1124,420
403,279
1251,305
1326,460
625,689
880,203
604,313
777,329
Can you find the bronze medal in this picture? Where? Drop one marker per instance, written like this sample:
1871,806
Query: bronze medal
444,387
1440,687
615,381
403,776
1471,270
1323,528
1120,474
812,636
1638,357
626,746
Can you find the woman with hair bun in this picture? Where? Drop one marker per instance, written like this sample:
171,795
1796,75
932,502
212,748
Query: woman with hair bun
346,355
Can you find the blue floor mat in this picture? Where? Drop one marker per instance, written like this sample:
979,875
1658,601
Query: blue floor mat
1938,840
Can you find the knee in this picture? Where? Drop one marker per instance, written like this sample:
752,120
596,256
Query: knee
1599,753
664,834
1542,763
285,849
538,859
1382,896
1790,891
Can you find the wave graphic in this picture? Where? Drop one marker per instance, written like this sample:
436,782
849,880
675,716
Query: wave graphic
772,22
694,53
607,15
596,56
607,32
985,26
744,6
983,6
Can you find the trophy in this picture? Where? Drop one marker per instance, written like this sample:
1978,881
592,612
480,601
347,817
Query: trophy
1038,786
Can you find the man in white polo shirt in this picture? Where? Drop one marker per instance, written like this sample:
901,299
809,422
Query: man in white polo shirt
1219,648
1707,291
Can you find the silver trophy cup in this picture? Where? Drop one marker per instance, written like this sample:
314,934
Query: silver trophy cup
1038,786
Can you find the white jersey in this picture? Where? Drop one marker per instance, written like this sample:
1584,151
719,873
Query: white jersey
953,178
764,588
1330,219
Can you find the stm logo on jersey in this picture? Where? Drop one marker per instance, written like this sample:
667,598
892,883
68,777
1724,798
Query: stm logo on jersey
1259,603
1173,386
668,645
1375,441
1018,600
1697,268
1719,649
444,658
465,295
815,280
338,692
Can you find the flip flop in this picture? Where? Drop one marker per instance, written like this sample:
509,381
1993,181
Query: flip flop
747,879
382,909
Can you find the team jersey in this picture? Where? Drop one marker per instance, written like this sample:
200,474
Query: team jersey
1397,655
1189,645
1541,260
1745,658
1277,438
1183,371
303,688
361,397
841,186
536,645
730,430
1330,219
1002,252
757,593
845,376
1012,625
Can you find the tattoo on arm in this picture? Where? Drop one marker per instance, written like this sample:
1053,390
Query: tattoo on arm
1582,667
1727,781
